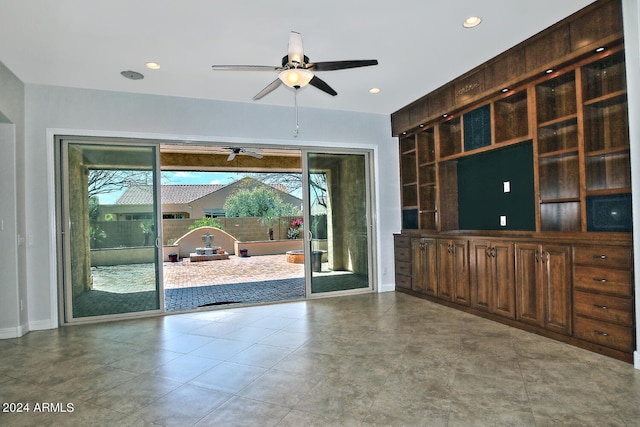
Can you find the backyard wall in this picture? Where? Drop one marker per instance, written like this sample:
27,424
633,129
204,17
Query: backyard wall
130,234
119,256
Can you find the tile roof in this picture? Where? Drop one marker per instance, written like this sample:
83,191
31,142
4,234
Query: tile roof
171,194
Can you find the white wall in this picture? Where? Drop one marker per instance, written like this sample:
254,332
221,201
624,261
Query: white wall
54,110
13,285
631,21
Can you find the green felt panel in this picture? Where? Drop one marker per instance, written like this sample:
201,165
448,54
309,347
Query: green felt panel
477,128
481,199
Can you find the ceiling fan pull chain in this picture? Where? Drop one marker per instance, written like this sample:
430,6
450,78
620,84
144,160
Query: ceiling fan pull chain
295,102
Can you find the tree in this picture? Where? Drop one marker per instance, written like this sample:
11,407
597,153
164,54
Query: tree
207,222
260,202
103,181
293,182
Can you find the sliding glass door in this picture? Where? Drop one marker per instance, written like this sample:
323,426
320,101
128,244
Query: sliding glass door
111,229
338,215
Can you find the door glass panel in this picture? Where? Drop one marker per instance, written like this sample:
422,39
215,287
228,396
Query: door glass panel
111,255
338,222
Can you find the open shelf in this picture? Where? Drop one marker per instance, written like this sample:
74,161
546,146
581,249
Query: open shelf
450,137
407,144
604,77
428,198
428,174
608,171
426,146
564,216
556,98
428,220
511,117
606,125
558,135
559,177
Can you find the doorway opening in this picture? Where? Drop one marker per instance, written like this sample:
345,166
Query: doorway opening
265,256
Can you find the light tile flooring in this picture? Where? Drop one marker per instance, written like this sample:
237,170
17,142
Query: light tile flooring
373,359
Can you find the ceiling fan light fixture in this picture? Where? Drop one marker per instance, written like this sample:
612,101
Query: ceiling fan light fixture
295,77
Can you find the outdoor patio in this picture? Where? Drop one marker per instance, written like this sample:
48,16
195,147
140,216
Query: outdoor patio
188,285
191,285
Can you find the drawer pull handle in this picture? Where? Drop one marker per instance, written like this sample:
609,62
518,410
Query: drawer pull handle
595,279
604,307
604,334
600,257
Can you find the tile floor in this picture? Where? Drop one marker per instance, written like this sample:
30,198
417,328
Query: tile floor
371,359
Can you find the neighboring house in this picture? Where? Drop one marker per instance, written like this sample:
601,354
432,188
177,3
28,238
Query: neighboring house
183,201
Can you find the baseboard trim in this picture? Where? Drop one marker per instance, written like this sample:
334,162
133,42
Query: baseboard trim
388,287
40,325
16,332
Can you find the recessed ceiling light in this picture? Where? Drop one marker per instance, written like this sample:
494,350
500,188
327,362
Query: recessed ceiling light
132,75
374,90
472,21
445,116
600,49
505,90
152,65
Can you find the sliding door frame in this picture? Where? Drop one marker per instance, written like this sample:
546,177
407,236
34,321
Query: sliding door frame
368,155
65,307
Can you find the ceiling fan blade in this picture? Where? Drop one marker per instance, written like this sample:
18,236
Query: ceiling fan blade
341,65
232,156
295,51
267,90
245,68
320,84
253,154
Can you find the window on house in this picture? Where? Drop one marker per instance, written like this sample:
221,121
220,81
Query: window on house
175,215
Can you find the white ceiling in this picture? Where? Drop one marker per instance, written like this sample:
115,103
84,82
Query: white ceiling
420,44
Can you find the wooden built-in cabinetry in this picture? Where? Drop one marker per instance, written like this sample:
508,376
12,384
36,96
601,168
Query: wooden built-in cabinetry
543,286
453,271
492,273
558,260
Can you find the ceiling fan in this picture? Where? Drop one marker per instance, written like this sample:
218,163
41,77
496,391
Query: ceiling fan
296,71
236,150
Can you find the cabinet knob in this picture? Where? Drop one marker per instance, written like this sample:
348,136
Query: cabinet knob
600,257
595,279
603,307
604,334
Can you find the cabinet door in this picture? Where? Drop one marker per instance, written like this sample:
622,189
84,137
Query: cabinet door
555,265
481,274
503,291
460,264
425,279
445,270
529,293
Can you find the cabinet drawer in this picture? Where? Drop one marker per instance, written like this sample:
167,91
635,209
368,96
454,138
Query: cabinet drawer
604,307
403,282
603,256
597,279
403,253
603,333
402,241
403,268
